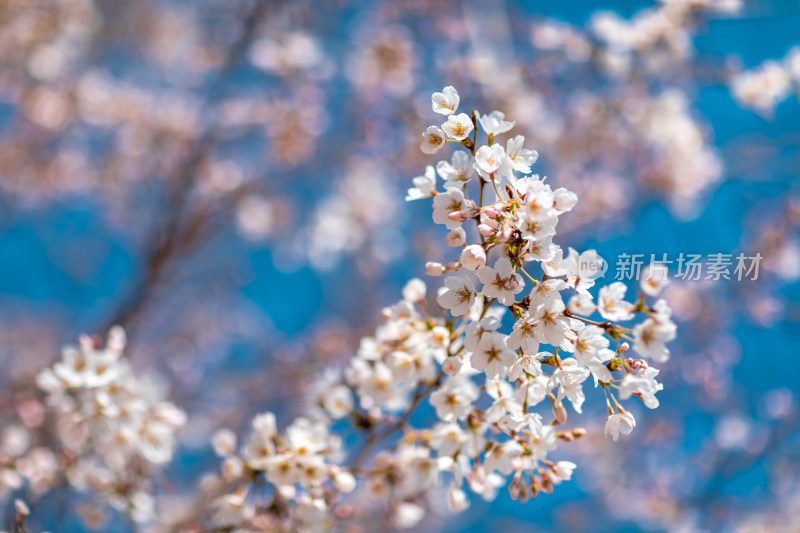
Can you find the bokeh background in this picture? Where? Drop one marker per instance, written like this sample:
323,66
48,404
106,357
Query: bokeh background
226,180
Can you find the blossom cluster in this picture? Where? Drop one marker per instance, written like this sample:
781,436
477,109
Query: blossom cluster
613,105
301,465
490,386
114,430
765,86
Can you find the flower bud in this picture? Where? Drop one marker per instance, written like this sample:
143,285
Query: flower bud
486,230
415,290
563,470
547,483
456,237
457,499
224,442
451,365
505,234
434,269
473,257
344,481
559,413
463,215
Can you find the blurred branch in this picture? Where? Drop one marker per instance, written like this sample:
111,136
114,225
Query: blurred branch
735,465
173,236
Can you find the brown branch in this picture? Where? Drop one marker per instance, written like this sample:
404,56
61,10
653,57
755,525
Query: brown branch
375,438
174,236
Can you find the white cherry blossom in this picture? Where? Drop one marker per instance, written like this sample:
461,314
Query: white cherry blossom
458,127
458,171
495,123
501,281
619,423
460,294
526,335
654,278
432,140
611,302
521,158
445,102
424,186
446,203
650,338
491,162
493,356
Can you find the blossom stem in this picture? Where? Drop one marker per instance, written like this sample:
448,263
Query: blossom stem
535,281
376,438
605,324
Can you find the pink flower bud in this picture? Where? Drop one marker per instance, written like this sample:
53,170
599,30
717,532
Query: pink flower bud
434,269
462,216
547,483
486,230
473,257
452,266
560,413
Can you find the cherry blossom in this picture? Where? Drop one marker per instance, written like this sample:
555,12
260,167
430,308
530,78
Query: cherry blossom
473,257
654,278
495,123
432,140
611,302
619,423
521,158
459,296
458,127
424,185
457,171
491,362
445,102
501,281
